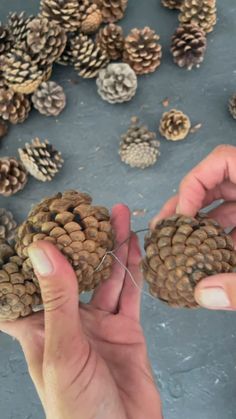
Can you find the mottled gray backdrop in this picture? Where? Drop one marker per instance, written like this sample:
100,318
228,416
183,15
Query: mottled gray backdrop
192,352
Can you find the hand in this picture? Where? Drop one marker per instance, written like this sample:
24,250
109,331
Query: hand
89,362
213,179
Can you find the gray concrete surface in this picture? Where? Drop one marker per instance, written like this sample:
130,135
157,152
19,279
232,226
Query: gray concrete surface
192,352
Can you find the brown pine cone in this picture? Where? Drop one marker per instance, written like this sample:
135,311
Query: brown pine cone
18,294
82,232
3,127
91,17
5,42
112,10
189,46
199,12
41,159
172,4
7,226
111,40
139,146
232,106
181,251
174,125
14,107
142,51
13,176
17,26
66,13
49,99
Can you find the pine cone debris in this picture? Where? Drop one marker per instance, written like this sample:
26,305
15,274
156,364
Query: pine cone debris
174,125
139,146
232,106
117,83
13,176
41,160
199,12
112,10
82,232
181,251
142,51
66,13
172,4
49,99
3,128
14,107
111,40
17,26
7,226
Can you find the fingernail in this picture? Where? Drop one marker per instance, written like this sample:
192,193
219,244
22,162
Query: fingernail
40,261
213,298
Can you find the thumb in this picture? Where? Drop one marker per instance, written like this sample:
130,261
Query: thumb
217,292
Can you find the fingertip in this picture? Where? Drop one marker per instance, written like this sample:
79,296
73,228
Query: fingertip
119,209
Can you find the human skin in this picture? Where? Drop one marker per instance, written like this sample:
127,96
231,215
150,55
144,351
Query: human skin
213,179
89,361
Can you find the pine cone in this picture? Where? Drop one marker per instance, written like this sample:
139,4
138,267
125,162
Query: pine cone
41,159
49,99
14,107
172,4
5,42
111,40
232,106
17,26
117,83
181,251
18,294
189,46
66,13
139,146
112,10
7,226
88,58
47,39
82,232
199,12
3,127
174,125
13,176
142,51
91,17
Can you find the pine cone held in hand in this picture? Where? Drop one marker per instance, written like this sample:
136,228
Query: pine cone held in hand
49,99
13,176
174,125
181,251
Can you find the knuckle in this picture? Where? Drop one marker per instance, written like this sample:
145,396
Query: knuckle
56,301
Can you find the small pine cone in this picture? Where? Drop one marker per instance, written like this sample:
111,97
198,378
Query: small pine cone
41,159
3,128
172,4
7,226
139,146
88,57
13,176
66,13
91,17
180,252
81,231
232,106
142,51
5,42
112,10
18,26
117,83
18,294
199,12
14,107
47,39
174,125
189,46
111,40
49,99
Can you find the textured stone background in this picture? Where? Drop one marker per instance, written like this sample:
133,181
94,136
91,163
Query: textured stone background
192,352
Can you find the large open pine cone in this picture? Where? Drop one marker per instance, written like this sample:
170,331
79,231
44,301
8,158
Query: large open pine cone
13,176
17,26
142,51
174,125
64,12
188,46
181,251
112,10
110,38
172,4
7,226
232,106
18,294
82,232
199,12
49,99
14,107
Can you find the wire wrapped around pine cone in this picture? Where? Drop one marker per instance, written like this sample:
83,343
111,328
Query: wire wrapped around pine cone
91,17
41,159
66,13
3,127
82,232
232,105
5,41
172,4
139,146
112,10
13,176
18,294
180,252
111,39
174,125
7,226
14,107
189,46
49,99
117,83
142,51
199,12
